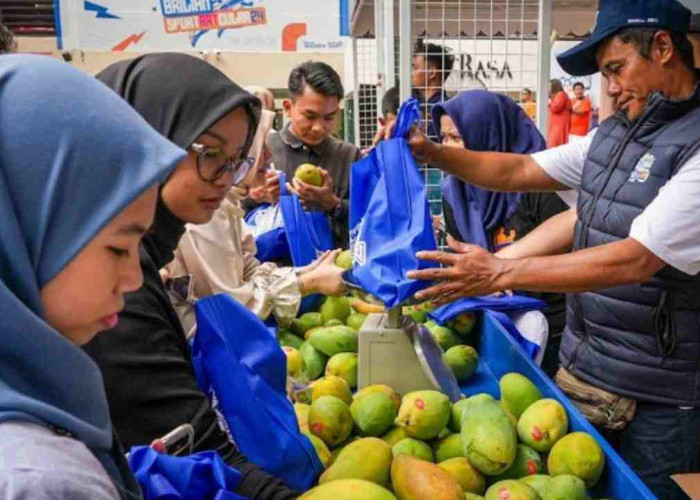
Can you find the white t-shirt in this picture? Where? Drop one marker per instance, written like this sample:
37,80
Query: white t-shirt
669,226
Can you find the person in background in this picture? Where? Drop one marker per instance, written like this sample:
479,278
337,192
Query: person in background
581,109
432,65
8,44
528,104
559,115
220,256
145,359
485,121
265,95
69,236
390,110
315,93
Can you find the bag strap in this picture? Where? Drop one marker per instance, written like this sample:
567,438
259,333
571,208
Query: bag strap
283,184
409,115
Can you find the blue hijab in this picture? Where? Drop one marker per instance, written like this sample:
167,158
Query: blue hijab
72,156
486,122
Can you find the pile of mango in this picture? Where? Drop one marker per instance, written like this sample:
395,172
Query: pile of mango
325,342
378,446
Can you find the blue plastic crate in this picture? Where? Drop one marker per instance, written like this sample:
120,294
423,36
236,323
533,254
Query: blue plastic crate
500,354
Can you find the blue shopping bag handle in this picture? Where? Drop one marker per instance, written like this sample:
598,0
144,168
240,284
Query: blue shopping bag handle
283,184
409,115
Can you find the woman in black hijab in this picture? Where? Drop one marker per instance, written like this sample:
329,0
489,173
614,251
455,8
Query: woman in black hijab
145,358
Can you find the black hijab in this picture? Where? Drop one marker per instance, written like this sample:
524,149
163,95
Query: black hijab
181,96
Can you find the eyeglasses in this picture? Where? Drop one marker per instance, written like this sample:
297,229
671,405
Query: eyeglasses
212,164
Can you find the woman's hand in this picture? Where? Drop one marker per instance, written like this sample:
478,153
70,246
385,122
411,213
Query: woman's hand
470,271
324,277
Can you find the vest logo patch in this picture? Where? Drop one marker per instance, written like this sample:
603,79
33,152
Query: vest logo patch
642,168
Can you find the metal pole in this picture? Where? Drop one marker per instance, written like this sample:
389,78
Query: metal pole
379,35
356,93
544,51
389,45
405,49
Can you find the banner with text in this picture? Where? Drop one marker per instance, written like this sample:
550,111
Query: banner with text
202,25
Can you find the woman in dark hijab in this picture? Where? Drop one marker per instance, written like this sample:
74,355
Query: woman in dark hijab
145,359
484,121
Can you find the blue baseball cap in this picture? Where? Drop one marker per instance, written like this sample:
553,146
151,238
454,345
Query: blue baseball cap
616,15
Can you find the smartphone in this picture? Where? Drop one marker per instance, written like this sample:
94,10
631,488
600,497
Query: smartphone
178,441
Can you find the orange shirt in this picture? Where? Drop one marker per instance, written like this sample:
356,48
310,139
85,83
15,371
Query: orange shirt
581,123
530,109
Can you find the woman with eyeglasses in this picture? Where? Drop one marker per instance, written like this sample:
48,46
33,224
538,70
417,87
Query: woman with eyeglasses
145,358
220,255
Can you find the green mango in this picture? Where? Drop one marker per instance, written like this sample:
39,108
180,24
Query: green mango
489,441
335,308
415,448
527,463
424,414
577,454
468,477
330,420
463,360
348,489
543,424
288,339
373,414
314,360
334,340
344,365
448,447
356,320
344,259
518,393
306,322
566,487
367,458
460,407
512,490
539,482
309,174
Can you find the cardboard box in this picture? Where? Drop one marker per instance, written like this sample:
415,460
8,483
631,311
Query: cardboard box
690,483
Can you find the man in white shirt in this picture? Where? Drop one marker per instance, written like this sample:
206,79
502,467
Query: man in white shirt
633,324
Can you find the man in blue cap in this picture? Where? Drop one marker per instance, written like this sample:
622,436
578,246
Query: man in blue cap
633,320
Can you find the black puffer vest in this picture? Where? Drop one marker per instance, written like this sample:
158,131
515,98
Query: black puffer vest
640,341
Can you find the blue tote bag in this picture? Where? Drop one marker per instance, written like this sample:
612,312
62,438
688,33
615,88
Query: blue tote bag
267,225
390,216
308,233
308,236
499,306
203,476
239,363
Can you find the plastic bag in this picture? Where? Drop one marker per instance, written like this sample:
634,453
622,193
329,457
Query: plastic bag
239,363
390,217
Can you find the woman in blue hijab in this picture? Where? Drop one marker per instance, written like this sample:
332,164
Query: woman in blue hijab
483,121
74,203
